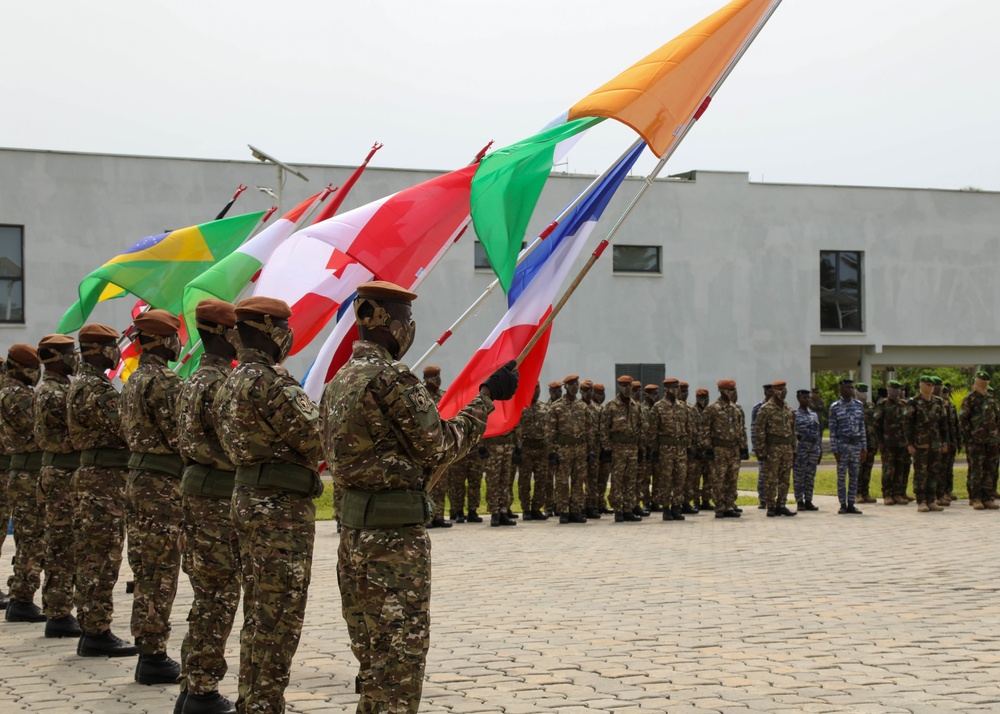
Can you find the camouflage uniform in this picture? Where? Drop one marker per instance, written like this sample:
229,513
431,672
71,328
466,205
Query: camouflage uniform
776,442
500,469
926,429
270,432
211,547
979,429
808,452
440,490
723,436
671,437
569,426
692,494
847,440
534,459
865,472
644,462
17,430
621,428
99,490
384,435
700,477
149,424
466,476
947,483
890,417
594,496
56,492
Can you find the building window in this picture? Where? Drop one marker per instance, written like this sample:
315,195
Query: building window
636,259
12,274
645,373
841,276
481,261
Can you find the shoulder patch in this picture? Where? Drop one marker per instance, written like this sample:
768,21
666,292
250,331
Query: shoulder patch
419,399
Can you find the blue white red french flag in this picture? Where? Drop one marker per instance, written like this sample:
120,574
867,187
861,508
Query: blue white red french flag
536,281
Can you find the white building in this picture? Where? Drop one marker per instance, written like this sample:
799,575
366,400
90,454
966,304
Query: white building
712,276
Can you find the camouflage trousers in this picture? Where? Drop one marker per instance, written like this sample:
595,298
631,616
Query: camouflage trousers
670,476
56,492
99,530
29,534
777,470
725,475
699,480
571,475
946,476
534,467
644,480
804,472
894,471
623,475
439,492
926,463
276,531
982,462
848,466
385,590
865,473
154,530
603,477
499,477
594,490
468,470
212,552
4,506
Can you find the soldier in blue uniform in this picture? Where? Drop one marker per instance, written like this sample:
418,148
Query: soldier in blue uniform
807,453
848,444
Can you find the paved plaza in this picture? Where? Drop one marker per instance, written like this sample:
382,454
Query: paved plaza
892,611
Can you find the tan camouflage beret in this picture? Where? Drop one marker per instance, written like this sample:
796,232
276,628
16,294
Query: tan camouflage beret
382,290
23,354
56,341
259,306
96,332
157,322
431,369
218,311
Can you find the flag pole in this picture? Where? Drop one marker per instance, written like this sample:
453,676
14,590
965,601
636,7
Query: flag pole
478,302
686,127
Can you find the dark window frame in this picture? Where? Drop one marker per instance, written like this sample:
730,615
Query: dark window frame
645,372
841,298
14,280
632,269
479,259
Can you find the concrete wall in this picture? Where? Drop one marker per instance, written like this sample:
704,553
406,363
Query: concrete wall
738,297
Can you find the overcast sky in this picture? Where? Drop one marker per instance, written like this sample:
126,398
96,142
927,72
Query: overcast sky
862,92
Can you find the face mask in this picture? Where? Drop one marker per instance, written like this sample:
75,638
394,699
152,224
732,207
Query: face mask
172,344
33,374
572,388
232,336
403,334
781,394
625,392
283,339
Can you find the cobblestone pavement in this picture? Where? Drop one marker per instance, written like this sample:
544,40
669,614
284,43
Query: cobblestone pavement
892,611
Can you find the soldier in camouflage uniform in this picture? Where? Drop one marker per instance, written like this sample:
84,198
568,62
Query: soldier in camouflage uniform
946,479
149,425
4,475
808,452
690,494
211,546
555,394
701,479
865,473
993,471
775,442
644,504
270,432
466,483
500,475
59,462
594,491
603,466
534,460
99,490
384,436
432,382
890,416
670,434
621,428
761,478
723,438
926,429
17,431
569,427
979,427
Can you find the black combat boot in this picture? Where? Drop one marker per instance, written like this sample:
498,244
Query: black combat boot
457,517
24,611
564,518
157,669
4,601
592,513
619,517
577,518
211,703
689,509
506,520
440,523
511,515
631,517
528,516
537,515
809,506
474,517
106,644
784,511
668,514
179,703
495,520
770,512
676,511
